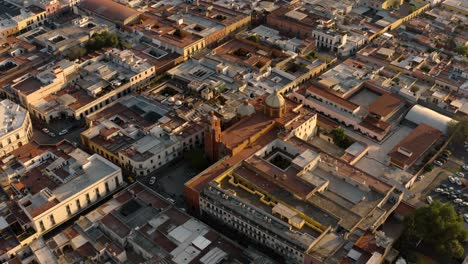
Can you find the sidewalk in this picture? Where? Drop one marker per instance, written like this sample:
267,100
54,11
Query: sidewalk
423,187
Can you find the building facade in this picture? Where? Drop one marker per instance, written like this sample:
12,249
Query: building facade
16,128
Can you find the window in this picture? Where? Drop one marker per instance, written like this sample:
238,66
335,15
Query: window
41,226
97,193
78,204
52,219
68,210
88,199
107,187
117,180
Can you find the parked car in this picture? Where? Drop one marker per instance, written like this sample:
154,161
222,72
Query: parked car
451,188
457,201
52,134
45,130
420,177
448,152
445,193
445,155
451,179
466,217
63,132
465,166
458,181
443,186
460,174
438,190
152,180
429,199
438,163
442,158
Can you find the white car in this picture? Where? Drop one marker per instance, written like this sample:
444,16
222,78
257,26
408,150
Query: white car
465,167
63,132
420,177
451,179
429,199
438,163
458,181
45,130
460,174
466,217
438,190
457,201
152,180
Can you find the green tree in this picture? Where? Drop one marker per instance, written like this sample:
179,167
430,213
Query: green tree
340,138
254,38
439,226
105,39
462,50
458,130
76,53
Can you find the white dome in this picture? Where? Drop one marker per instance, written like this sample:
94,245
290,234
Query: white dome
275,100
420,114
245,109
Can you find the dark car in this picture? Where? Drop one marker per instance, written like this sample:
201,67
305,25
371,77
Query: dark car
443,158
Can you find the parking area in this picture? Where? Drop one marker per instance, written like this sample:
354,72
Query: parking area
51,133
169,180
448,192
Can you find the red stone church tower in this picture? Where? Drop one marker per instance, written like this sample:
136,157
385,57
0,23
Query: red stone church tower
213,137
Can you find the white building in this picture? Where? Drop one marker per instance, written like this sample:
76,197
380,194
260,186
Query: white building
331,39
15,127
93,178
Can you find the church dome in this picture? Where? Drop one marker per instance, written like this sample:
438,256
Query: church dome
245,109
275,100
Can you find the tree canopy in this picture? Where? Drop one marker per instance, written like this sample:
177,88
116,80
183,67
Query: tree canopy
437,225
462,50
459,130
105,39
341,139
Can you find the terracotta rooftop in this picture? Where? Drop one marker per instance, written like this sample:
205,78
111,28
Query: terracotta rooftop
199,182
115,225
290,181
109,9
385,104
416,143
43,208
404,209
331,97
245,129
368,243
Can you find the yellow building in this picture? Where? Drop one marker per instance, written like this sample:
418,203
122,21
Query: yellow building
15,20
457,6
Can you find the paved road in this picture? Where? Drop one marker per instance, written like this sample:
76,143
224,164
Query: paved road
170,180
73,126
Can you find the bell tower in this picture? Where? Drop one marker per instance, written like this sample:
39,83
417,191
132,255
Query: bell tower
213,137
